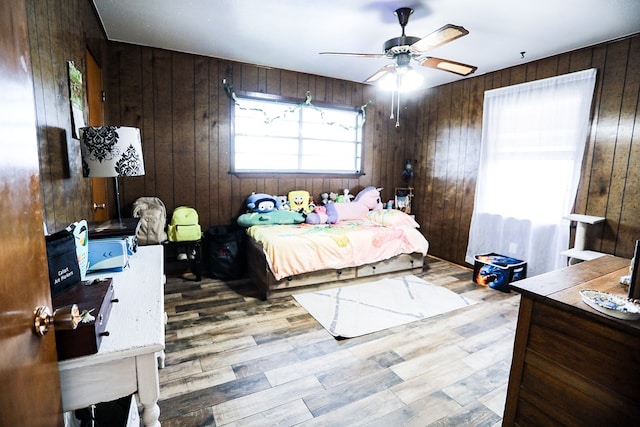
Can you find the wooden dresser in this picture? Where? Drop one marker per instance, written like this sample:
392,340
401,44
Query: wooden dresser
573,365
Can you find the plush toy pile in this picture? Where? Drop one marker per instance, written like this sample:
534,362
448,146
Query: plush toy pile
298,207
367,200
266,209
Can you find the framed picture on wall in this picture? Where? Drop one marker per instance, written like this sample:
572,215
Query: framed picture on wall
76,99
403,199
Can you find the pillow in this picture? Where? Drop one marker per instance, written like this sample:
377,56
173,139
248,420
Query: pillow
274,217
392,218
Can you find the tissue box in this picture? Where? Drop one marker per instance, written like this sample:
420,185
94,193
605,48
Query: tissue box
497,271
111,254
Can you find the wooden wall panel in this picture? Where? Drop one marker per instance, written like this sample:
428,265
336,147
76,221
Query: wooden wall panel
61,31
610,182
185,117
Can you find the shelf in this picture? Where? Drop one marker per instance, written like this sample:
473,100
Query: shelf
586,219
584,255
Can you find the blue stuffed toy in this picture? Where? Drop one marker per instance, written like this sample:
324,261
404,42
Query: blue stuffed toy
262,203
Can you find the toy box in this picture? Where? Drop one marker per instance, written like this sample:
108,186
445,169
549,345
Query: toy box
497,271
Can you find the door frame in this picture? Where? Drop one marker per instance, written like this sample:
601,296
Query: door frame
100,205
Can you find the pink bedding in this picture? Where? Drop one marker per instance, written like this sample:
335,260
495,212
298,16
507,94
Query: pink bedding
301,248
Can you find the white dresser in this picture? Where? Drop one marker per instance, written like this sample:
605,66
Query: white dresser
127,361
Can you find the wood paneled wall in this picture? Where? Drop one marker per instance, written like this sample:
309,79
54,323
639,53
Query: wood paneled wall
449,130
61,31
179,102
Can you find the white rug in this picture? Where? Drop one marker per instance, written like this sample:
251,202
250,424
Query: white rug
361,309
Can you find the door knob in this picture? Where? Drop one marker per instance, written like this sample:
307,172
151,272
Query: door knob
98,206
62,318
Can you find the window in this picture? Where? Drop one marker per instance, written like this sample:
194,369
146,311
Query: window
533,139
275,136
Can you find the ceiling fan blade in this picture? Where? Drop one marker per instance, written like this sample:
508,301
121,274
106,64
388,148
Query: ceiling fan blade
381,72
439,37
361,55
446,65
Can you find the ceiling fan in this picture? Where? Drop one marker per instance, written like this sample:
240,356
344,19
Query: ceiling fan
405,48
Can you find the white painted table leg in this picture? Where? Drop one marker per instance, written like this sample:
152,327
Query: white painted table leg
148,388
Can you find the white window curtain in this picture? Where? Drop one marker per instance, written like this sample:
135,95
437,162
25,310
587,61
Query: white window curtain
533,139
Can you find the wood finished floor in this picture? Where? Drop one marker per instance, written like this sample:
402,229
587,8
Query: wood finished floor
234,360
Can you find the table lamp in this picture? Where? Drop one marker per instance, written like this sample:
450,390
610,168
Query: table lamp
111,151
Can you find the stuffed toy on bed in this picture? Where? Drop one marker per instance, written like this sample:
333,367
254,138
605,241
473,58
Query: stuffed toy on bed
277,217
264,209
262,203
318,216
367,200
299,201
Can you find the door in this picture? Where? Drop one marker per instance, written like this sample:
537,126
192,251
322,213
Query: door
99,193
28,364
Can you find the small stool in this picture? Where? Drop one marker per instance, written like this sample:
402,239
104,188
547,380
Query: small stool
193,247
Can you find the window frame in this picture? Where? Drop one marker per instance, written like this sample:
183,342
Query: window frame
294,101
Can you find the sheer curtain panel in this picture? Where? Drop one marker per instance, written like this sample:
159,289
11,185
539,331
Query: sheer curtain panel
533,139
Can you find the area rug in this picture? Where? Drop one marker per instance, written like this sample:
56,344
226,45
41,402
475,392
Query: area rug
361,309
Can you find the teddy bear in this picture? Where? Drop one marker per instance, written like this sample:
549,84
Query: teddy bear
284,203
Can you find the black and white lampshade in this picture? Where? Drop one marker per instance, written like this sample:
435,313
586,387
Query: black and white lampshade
111,151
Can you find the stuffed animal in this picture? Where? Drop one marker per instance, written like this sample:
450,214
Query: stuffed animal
270,218
262,203
299,201
368,199
347,197
318,216
325,198
284,203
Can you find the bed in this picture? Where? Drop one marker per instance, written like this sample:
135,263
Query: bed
285,258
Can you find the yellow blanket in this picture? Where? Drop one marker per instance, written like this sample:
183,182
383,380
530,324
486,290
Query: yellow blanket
302,248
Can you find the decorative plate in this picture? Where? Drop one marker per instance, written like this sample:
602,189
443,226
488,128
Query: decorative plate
612,305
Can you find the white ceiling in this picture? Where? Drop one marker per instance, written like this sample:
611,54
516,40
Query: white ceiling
289,34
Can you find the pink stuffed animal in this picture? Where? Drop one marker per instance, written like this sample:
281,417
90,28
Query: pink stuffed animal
318,216
368,199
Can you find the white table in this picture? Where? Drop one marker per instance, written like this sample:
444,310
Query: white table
126,362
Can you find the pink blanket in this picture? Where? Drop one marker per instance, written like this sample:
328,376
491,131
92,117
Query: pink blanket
302,248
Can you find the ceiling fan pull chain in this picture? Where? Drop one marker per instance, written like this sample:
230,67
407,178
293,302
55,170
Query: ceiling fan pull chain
393,94
398,113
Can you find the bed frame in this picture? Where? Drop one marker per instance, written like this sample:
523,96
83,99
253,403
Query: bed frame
268,286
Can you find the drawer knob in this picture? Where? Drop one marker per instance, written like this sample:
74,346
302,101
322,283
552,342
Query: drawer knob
115,300
104,334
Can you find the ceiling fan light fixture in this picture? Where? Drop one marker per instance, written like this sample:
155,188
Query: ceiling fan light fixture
401,79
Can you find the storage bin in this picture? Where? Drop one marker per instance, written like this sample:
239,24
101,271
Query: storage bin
497,271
